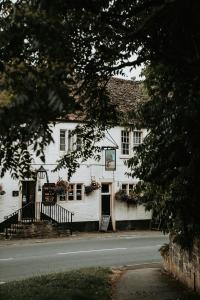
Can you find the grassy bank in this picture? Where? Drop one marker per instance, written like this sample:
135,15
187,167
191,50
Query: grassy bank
83,284
90,284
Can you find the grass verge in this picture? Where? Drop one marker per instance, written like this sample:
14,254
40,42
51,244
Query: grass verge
83,284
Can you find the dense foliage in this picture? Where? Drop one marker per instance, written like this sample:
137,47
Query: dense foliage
56,57
168,162
46,72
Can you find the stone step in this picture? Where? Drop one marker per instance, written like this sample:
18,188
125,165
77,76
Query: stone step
39,229
27,220
18,226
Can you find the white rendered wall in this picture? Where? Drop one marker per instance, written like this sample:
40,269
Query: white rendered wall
88,209
8,203
128,212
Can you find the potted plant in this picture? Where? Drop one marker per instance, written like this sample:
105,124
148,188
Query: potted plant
130,199
61,187
88,189
121,195
93,186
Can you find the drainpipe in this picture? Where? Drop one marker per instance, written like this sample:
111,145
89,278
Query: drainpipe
38,199
194,277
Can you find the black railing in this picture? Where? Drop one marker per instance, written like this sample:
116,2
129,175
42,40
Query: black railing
12,218
17,212
34,212
11,221
56,213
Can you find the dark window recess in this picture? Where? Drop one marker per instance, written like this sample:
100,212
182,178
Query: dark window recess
105,188
71,192
78,192
15,193
124,188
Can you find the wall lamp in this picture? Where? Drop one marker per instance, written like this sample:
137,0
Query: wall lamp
42,172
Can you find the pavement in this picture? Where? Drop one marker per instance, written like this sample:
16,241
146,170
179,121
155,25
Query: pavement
83,235
137,282
149,283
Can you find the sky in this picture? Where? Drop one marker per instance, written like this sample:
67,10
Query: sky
133,73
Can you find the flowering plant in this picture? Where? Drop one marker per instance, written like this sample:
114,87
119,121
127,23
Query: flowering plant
61,187
122,196
93,186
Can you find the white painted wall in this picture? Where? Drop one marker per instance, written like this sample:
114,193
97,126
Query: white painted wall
8,203
88,209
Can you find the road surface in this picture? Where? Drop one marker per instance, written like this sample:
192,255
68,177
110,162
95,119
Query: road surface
21,259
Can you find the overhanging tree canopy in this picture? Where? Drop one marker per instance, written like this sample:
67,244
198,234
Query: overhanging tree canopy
53,52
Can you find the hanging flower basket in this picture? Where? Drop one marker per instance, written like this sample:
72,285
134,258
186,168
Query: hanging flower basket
95,185
60,191
92,187
88,189
61,187
130,199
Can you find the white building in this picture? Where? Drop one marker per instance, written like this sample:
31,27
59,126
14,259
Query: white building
108,174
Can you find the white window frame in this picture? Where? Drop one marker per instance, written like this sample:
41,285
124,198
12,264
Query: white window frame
79,142
127,188
68,142
74,142
137,138
64,145
71,141
125,142
66,196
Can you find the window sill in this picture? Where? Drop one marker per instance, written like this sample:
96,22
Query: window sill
61,153
70,201
124,156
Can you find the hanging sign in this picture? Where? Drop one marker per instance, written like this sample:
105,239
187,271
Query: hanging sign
49,193
110,159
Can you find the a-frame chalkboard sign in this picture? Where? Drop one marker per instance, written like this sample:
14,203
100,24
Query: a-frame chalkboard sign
105,219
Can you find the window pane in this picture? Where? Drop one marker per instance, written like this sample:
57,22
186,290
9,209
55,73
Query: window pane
71,192
62,197
105,188
137,138
78,143
124,142
124,187
62,140
70,141
79,192
131,187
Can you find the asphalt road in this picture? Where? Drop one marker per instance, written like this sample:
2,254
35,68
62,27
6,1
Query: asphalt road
21,260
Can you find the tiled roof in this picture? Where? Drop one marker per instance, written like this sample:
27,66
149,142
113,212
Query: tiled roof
124,95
